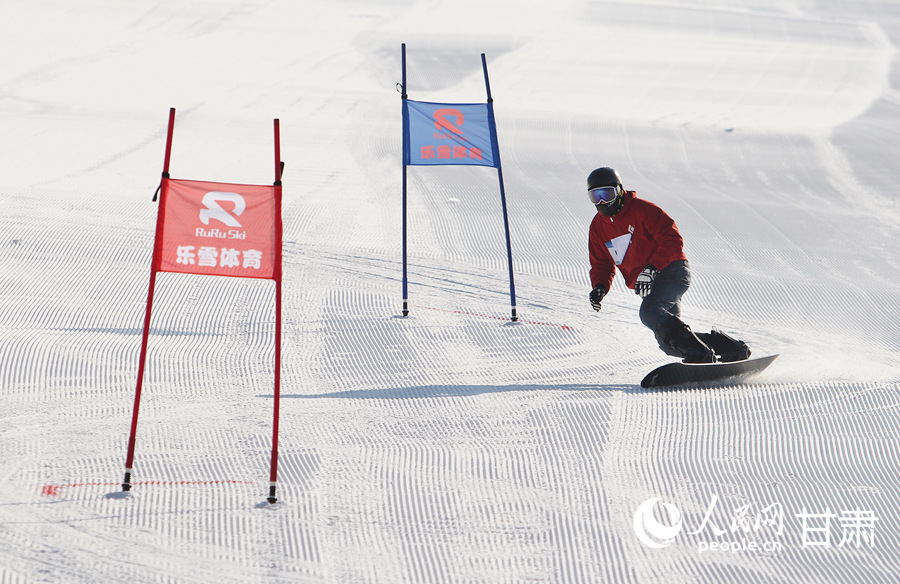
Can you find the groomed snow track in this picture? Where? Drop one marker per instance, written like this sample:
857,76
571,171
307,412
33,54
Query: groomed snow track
452,445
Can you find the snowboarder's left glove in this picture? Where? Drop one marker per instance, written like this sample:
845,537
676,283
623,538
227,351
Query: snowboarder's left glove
645,281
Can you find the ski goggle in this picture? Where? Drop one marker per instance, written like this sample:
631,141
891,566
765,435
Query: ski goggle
603,195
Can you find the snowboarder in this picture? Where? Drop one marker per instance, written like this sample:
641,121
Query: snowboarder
640,239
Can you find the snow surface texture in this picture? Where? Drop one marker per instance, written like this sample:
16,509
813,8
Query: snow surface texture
453,445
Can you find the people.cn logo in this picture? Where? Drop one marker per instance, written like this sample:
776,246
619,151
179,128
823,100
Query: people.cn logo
649,530
214,211
443,124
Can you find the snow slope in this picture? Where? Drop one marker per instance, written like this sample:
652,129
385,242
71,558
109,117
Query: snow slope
452,445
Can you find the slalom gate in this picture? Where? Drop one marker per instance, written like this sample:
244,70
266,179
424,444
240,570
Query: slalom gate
216,229
451,134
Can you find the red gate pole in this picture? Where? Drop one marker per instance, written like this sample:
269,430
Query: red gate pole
273,474
129,461
142,359
169,142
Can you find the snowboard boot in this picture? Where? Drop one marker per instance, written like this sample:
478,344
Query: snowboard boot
684,343
727,348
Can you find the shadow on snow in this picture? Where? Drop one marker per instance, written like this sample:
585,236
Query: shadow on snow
433,391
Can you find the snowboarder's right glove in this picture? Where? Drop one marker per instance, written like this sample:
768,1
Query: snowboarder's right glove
644,281
596,296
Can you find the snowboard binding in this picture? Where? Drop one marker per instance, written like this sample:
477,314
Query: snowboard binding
727,348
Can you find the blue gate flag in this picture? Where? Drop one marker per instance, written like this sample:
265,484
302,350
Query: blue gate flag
449,133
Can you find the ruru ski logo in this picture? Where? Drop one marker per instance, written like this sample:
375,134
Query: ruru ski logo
443,123
214,211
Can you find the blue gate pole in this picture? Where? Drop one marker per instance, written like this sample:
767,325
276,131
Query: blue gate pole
496,147
405,150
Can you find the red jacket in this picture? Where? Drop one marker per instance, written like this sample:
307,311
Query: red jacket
640,234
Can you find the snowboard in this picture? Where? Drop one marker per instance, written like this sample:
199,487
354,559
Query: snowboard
704,374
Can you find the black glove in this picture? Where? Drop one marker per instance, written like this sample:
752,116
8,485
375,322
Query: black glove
596,296
645,281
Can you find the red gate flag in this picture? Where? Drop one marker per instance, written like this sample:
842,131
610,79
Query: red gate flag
218,229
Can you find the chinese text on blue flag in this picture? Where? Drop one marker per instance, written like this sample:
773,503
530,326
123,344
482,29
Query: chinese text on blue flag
442,133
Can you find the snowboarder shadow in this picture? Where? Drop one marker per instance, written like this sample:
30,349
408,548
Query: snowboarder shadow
448,390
